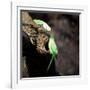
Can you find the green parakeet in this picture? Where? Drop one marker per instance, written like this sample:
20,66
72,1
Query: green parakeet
52,45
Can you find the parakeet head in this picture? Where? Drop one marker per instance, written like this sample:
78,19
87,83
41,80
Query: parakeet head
51,44
42,23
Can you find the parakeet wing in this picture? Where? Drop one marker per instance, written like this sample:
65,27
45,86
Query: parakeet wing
53,47
53,50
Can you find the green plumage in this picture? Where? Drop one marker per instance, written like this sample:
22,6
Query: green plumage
52,45
53,50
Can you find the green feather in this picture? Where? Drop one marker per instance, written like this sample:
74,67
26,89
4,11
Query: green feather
53,50
52,46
